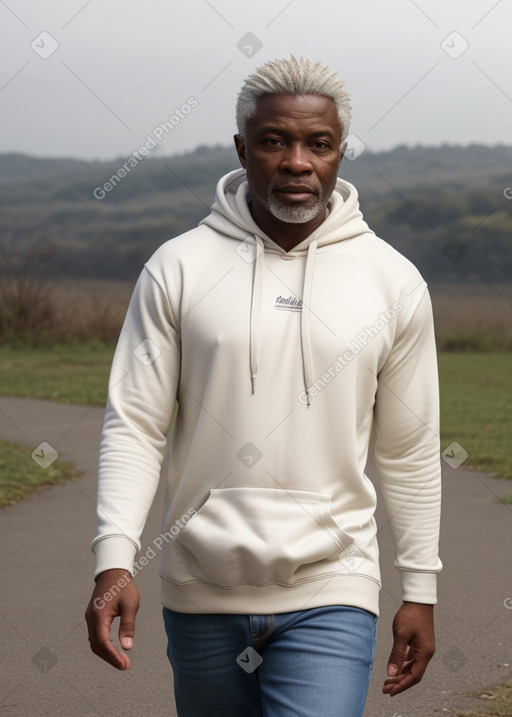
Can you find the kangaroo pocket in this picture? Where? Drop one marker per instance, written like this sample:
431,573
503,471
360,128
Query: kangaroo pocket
263,536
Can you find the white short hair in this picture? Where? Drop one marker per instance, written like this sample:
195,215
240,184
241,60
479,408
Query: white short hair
292,77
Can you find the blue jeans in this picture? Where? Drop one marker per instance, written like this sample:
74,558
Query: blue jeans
311,663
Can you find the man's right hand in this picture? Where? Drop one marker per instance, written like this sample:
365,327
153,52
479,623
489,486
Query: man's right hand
115,595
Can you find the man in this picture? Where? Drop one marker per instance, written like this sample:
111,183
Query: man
285,329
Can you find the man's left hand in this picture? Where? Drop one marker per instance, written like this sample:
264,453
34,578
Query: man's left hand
413,647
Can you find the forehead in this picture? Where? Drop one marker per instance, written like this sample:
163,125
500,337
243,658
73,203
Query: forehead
306,112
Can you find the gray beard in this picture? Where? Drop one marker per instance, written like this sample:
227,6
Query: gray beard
291,215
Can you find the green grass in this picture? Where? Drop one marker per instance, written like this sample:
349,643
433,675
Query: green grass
71,374
20,474
497,700
476,393
476,408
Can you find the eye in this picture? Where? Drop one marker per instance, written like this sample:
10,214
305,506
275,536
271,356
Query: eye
272,141
321,144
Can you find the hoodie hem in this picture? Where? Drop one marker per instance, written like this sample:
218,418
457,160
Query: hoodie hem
355,591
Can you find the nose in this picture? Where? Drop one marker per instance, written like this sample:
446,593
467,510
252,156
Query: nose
296,159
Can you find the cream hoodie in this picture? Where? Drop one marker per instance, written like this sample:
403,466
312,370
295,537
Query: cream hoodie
280,364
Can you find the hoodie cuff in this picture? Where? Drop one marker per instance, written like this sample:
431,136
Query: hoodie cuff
419,587
114,552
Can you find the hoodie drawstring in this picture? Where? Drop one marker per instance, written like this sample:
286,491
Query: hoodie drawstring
305,334
257,285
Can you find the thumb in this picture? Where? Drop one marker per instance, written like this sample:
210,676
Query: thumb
127,631
397,657
126,642
128,611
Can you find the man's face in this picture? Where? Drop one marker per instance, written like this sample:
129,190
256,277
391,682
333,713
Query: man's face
291,157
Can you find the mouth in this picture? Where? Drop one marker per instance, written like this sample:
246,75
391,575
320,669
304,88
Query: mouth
295,192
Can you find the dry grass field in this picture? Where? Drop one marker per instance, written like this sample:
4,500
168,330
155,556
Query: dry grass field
43,313
475,317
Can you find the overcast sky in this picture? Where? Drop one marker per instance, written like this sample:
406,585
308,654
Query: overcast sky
93,78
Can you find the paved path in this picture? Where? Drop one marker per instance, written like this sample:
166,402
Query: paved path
46,666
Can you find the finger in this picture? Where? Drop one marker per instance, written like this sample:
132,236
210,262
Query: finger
114,657
99,623
127,631
397,657
102,645
128,607
410,674
395,685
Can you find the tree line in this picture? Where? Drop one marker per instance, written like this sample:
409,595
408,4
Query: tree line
448,209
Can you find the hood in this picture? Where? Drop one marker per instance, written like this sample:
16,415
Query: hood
230,215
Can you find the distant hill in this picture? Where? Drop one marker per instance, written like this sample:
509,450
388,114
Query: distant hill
444,208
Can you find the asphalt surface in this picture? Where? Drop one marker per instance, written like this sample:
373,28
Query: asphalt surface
46,577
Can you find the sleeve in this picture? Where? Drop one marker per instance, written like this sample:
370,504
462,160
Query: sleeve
407,449
141,400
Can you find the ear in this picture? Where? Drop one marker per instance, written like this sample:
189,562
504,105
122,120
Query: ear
240,150
343,149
